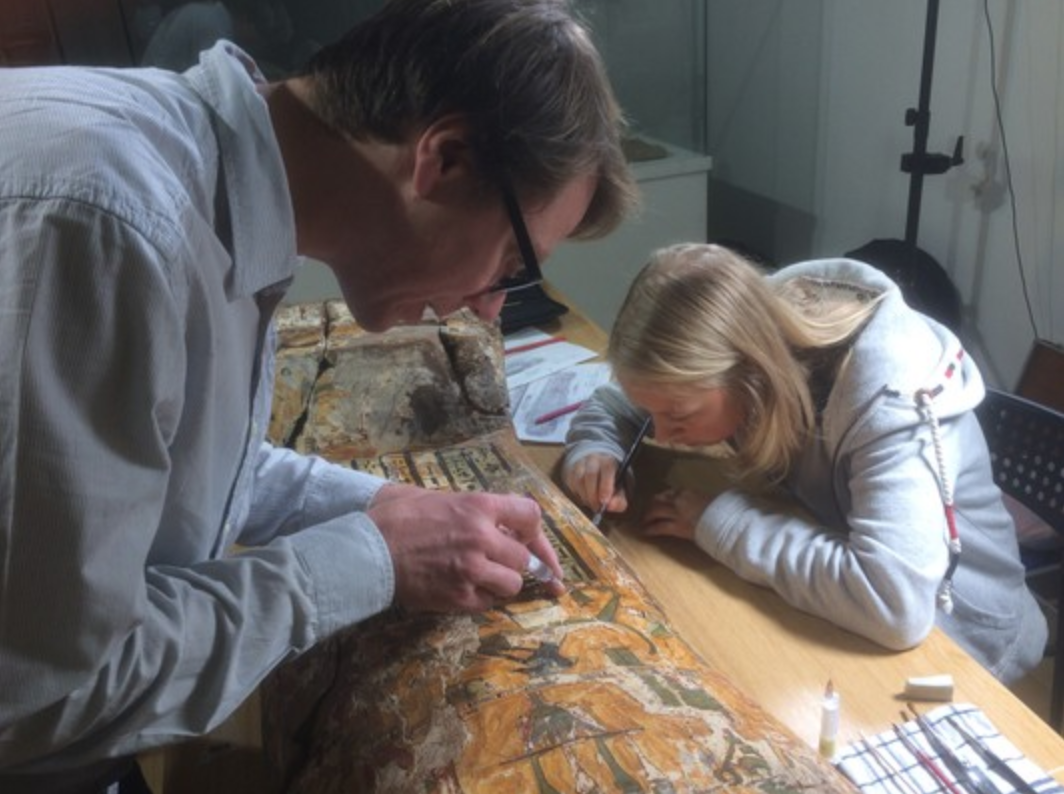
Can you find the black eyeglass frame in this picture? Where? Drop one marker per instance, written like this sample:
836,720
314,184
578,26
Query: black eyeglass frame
531,276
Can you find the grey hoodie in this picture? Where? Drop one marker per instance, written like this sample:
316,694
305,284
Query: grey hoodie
865,543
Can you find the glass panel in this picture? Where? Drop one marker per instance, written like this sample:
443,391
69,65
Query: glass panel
655,54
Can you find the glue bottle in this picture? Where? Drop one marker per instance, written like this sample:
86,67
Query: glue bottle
829,721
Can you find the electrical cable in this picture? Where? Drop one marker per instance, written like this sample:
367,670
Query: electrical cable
1008,168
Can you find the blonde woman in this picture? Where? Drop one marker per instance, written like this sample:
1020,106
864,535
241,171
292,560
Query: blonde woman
857,409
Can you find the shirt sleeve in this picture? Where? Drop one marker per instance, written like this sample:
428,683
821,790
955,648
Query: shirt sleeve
103,653
291,492
879,575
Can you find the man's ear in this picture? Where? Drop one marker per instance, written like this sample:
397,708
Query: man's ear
443,159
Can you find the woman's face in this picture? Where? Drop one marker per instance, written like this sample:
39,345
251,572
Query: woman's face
689,415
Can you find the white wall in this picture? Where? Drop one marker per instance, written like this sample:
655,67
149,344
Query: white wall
595,275
871,68
314,282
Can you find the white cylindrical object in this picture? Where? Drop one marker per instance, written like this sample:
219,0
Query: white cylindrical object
538,569
829,722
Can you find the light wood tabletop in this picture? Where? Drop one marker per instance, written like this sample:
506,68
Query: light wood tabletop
782,657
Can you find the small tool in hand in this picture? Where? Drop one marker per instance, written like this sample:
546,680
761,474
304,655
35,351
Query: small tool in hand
539,570
618,480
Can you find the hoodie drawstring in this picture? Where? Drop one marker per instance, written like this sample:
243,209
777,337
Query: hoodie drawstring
925,404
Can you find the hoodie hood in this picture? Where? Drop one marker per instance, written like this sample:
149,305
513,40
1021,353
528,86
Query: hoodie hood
896,355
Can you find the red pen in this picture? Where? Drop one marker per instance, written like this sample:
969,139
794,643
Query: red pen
533,345
565,409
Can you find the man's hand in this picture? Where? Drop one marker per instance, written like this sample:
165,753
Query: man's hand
460,551
395,490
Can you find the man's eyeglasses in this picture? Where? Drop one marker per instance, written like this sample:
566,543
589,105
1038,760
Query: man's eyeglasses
530,276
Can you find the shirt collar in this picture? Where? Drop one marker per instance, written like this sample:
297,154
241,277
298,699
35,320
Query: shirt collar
260,207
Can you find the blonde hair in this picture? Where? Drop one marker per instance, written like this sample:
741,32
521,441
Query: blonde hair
702,315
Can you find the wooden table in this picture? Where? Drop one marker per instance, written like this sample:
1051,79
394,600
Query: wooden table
783,657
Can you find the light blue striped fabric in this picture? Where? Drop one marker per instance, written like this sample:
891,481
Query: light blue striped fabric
135,380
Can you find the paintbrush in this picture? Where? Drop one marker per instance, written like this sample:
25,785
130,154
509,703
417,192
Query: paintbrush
994,763
622,472
968,776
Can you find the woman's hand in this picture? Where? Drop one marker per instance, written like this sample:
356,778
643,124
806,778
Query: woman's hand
674,513
592,480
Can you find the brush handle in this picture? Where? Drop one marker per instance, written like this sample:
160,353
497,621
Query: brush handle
622,471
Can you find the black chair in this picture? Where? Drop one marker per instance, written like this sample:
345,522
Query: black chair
1026,442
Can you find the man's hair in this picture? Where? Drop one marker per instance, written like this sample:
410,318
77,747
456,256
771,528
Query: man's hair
524,73
702,315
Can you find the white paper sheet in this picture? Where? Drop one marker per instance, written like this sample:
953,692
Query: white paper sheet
525,366
541,397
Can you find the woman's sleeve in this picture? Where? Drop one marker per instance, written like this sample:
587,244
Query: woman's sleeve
607,424
879,575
